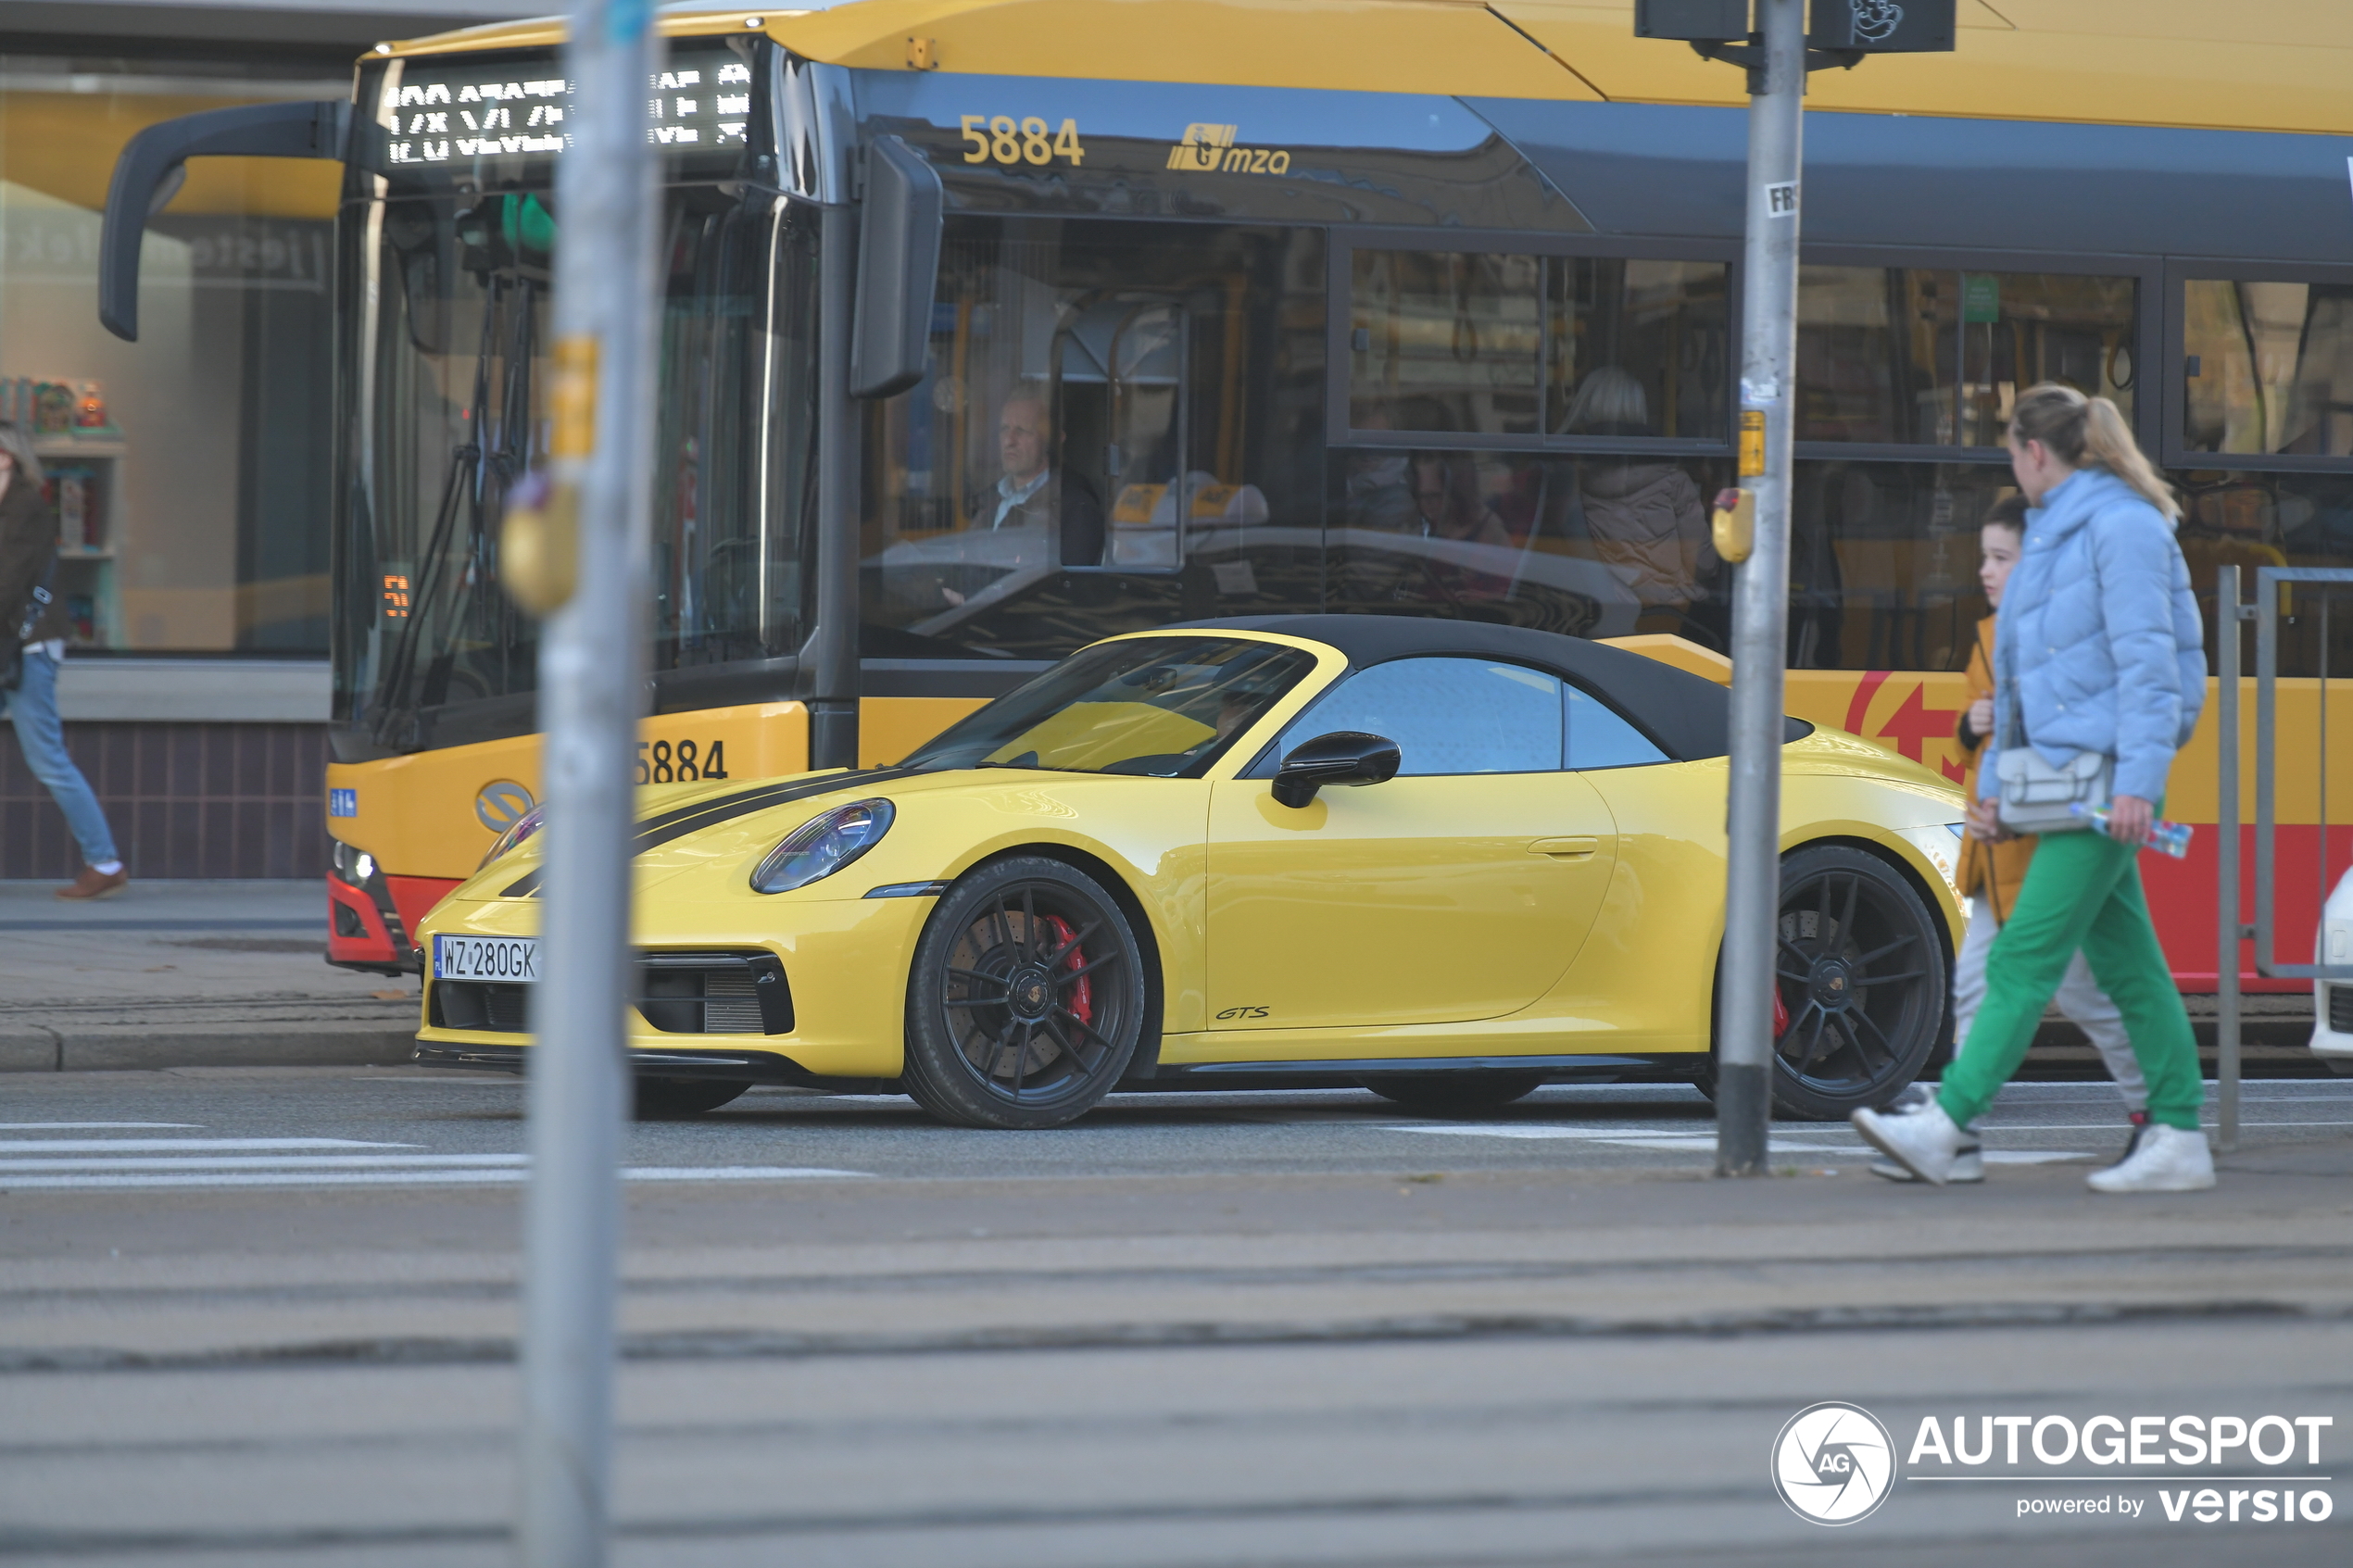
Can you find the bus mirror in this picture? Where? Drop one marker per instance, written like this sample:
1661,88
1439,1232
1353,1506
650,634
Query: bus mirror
149,171
897,269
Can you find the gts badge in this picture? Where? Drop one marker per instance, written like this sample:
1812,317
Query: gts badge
1242,1012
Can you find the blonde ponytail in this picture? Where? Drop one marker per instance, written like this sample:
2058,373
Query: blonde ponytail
2089,432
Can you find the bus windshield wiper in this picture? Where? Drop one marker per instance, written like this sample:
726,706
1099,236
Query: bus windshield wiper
476,475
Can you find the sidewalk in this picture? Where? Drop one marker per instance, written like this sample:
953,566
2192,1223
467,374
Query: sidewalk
187,974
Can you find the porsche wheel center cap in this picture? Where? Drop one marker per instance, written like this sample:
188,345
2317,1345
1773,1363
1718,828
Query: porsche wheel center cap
1033,994
1833,985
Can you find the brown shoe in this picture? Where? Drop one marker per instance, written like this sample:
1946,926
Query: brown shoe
96,884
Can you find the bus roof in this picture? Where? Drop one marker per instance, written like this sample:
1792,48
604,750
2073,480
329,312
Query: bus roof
2283,65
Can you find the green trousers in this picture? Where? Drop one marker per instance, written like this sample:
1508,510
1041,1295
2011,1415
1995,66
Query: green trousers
2082,890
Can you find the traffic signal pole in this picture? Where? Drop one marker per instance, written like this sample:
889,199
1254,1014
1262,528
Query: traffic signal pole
592,682
1760,595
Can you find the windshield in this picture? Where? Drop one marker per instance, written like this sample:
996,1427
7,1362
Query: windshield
448,374
1161,707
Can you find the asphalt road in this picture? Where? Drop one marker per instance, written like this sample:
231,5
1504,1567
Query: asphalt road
266,1316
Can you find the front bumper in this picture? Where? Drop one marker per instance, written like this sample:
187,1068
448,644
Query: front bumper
846,961
2332,1025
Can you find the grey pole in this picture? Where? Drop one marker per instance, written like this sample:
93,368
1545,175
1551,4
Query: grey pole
591,694
2229,929
1760,601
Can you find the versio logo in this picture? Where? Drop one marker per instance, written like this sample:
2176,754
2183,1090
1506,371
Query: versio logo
1207,147
1833,1463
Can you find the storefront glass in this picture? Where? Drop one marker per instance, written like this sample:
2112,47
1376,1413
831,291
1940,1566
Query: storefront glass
190,468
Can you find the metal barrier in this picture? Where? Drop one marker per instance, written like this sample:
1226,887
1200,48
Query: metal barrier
2229,929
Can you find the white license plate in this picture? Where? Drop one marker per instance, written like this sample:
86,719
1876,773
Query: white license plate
509,960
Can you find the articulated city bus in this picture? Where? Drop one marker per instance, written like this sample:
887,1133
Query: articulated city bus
1397,307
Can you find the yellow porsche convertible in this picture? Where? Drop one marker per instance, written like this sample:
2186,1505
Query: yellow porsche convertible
1444,860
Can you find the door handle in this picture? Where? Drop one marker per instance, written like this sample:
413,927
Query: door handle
1566,849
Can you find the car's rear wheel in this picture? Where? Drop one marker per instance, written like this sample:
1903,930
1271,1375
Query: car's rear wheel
1453,1094
685,1096
1027,999
1860,961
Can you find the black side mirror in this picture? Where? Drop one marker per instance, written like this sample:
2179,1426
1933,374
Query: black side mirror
1343,757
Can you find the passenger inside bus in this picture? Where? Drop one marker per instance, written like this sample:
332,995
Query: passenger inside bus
1645,517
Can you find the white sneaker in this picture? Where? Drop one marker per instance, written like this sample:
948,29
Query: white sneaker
2167,1159
1924,1141
1969,1166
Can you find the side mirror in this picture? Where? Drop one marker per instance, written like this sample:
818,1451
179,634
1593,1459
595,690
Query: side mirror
1343,757
899,236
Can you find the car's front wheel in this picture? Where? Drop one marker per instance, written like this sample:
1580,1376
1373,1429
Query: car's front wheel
1027,999
1858,958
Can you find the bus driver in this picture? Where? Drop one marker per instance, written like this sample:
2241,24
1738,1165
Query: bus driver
1032,494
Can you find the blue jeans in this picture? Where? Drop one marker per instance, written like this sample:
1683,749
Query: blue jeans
33,706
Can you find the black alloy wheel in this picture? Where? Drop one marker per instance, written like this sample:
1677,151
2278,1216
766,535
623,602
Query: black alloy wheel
684,1096
1456,1094
1026,1001
1858,958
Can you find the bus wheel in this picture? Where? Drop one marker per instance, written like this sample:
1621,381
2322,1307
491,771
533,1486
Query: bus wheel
1026,998
685,1096
1455,1093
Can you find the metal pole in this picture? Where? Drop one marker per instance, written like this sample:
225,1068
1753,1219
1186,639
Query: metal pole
2226,853
1760,606
591,696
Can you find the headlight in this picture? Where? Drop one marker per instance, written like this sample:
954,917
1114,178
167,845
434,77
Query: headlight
823,846
522,828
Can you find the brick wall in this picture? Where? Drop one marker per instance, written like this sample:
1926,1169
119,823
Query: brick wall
184,800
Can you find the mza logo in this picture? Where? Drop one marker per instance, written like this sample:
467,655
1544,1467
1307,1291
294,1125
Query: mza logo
1833,1463
1207,147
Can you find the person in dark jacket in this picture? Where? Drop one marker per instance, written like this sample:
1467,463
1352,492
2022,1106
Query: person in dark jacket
27,546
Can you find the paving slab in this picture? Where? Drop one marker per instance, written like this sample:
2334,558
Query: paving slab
187,974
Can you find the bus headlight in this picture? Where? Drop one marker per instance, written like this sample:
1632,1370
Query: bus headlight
823,846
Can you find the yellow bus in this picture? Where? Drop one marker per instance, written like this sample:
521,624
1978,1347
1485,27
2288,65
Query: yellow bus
1397,306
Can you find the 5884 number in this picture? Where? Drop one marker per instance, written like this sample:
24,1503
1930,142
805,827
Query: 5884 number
1002,139
660,761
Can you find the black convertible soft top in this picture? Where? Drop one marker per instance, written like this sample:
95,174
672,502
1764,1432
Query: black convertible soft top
1688,715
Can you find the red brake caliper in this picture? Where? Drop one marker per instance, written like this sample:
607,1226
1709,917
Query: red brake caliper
1781,1014
1082,995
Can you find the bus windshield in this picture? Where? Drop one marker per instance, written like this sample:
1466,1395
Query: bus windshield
446,384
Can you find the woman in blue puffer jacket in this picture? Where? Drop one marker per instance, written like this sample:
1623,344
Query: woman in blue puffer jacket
2098,648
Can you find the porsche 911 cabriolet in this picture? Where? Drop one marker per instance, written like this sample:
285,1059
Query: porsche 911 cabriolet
1444,860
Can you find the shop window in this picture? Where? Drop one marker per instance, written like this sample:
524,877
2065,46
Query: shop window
1593,547
2268,367
1919,357
190,469
1444,342
1119,429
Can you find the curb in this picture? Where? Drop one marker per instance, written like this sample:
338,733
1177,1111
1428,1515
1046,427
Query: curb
64,1041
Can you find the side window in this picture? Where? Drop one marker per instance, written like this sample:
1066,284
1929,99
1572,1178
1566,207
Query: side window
1599,738
1447,715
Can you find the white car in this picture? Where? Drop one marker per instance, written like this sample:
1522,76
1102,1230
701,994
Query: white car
2332,999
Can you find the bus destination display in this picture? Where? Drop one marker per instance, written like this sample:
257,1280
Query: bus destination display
441,115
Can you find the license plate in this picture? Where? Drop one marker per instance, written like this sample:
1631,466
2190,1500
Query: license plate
511,961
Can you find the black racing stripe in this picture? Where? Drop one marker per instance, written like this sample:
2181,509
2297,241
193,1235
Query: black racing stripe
665,827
